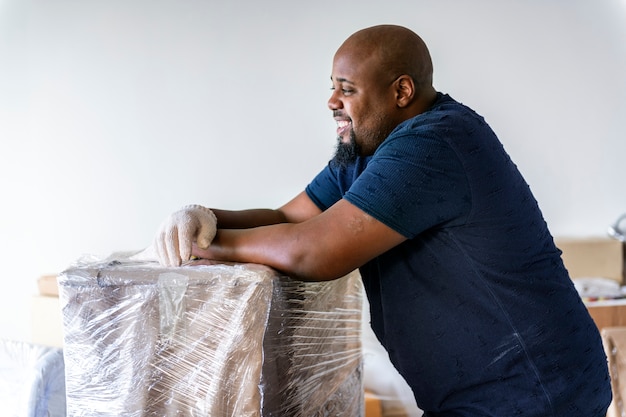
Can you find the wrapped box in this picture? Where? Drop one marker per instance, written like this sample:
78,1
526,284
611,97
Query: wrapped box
209,340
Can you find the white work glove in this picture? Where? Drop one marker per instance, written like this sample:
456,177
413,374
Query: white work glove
177,233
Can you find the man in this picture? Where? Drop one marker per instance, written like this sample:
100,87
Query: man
467,290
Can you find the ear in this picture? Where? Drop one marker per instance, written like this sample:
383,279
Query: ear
405,90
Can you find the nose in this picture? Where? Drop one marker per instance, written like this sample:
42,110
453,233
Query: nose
333,102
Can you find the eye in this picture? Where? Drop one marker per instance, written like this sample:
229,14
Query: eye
344,91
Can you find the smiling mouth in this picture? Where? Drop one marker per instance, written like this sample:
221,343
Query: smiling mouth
343,129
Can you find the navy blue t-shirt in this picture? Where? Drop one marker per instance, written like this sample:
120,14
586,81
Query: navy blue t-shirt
476,308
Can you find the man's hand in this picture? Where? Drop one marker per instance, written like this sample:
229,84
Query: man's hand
180,230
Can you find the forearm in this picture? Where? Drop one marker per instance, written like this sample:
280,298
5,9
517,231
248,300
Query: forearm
279,246
297,210
244,219
197,225
244,246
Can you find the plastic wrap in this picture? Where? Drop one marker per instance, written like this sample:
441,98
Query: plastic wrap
211,340
32,382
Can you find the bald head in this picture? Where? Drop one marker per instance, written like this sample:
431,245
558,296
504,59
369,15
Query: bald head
381,77
395,50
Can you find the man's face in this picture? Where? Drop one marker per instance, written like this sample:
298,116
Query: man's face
362,102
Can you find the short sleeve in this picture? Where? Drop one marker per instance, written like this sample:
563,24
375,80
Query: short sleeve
324,190
331,184
413,183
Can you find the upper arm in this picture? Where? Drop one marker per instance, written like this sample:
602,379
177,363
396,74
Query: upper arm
329,244
339,240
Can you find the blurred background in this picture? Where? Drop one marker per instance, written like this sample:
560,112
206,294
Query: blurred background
115,113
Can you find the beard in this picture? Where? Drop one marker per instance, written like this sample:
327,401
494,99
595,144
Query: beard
346,153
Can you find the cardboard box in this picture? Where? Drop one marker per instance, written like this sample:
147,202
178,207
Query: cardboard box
614,341
47,322
594,257
48,285
373,406
608,313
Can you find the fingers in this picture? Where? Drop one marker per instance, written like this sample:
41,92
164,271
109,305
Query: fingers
166,244
177,234
168,253
184,242
172,246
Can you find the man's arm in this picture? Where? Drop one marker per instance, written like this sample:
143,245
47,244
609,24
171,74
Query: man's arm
309,246
297,210
197,225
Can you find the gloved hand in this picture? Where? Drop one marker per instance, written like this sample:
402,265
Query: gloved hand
177,233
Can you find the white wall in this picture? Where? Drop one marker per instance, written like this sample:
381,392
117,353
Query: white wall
115,113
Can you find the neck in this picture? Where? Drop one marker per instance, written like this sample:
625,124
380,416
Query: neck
422,102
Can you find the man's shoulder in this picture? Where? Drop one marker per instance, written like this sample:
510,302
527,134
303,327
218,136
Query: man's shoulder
447,109
447,118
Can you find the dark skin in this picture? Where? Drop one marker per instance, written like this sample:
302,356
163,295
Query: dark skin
381,76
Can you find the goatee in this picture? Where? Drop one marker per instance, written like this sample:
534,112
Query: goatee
345,153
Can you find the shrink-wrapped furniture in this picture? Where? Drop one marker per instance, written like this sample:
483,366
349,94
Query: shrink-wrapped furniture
32,382
208,340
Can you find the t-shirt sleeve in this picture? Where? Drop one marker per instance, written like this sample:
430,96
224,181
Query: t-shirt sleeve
324,190
413,183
